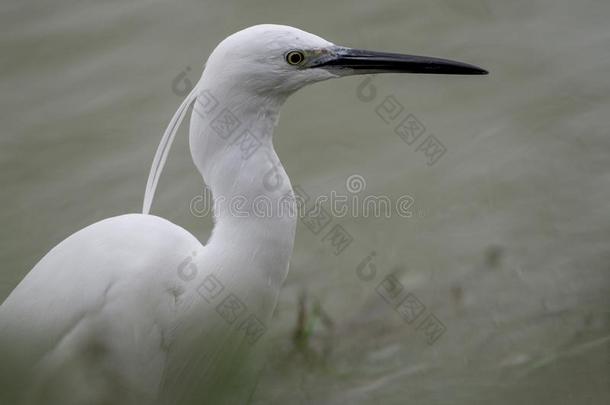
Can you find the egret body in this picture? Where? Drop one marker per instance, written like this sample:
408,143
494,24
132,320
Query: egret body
130,309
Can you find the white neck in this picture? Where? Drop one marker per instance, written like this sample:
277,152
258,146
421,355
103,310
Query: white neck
239,165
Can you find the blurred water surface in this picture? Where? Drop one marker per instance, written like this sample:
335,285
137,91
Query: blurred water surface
508,242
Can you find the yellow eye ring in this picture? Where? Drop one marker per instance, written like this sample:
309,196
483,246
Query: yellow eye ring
295,58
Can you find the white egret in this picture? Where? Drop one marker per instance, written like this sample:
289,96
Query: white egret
135,309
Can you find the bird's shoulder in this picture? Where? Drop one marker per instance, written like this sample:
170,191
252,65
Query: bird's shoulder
112,287
128,261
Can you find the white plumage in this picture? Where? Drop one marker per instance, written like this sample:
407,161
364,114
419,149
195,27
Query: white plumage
107,317
133,309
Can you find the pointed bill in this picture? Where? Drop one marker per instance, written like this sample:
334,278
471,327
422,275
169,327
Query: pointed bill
359,61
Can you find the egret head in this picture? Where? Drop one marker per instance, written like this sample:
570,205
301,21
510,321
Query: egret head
260,66
277,59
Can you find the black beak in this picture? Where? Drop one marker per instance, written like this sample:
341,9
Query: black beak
361,61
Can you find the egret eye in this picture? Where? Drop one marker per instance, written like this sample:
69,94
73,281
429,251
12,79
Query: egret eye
295,58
